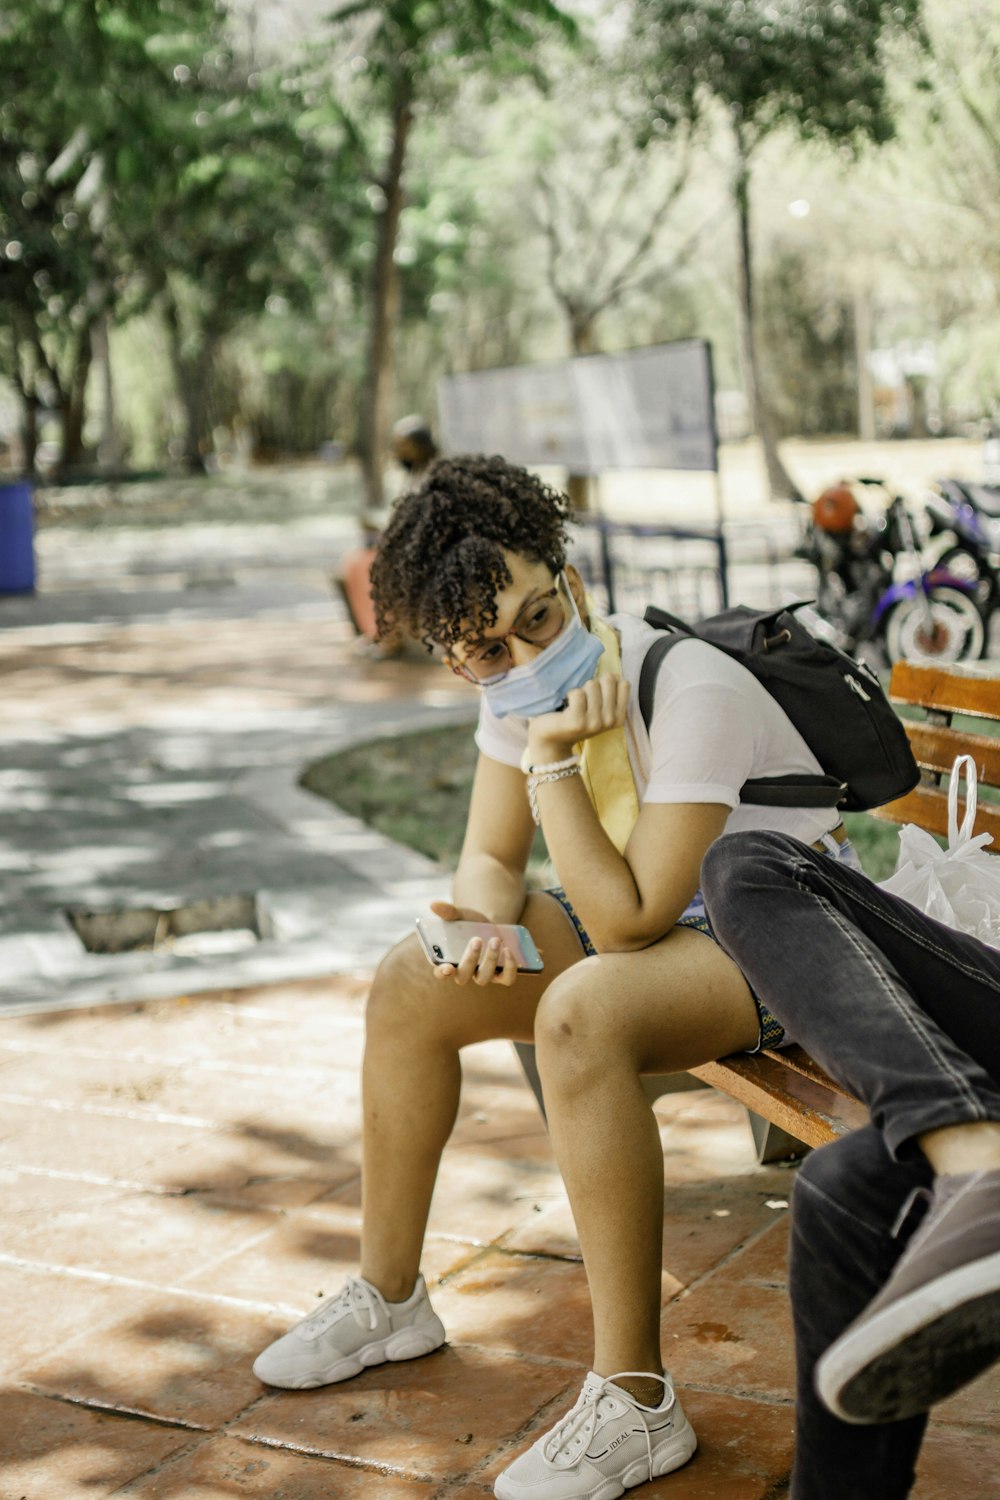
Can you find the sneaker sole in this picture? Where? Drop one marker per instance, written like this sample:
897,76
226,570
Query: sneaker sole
408,1343
673,1455
916,1351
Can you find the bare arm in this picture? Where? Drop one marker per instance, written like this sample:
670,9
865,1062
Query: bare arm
625,901
489,882
498,835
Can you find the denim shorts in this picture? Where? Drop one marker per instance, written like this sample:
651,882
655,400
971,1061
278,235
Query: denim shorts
772,1033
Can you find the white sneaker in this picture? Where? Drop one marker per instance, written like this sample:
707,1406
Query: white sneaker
605,1444
349,1332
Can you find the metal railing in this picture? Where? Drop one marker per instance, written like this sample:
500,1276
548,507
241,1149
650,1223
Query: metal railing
689,571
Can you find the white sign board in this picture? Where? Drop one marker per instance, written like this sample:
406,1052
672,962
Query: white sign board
645,409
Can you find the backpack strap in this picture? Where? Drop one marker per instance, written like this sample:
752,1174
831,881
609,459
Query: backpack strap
665,641
662,619
793,791
761,791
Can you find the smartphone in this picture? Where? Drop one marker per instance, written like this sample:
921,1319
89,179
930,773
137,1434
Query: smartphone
445,942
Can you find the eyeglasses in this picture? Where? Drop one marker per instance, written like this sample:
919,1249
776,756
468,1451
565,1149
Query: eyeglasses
538,623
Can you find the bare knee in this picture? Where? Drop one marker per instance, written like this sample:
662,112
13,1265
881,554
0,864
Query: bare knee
398,1000
576,1033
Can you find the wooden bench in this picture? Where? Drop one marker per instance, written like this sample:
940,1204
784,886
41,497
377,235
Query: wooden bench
792,1102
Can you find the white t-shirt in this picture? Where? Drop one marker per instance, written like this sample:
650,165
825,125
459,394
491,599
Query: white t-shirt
713,728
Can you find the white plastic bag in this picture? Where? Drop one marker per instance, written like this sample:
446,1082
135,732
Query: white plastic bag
960,885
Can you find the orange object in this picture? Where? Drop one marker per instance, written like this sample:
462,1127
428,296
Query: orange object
835,509
356,582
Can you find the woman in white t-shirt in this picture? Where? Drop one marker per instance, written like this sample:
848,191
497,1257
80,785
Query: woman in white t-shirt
474,562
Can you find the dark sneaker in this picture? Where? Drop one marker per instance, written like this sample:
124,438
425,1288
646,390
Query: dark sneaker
936,1323
605,1444
347,1334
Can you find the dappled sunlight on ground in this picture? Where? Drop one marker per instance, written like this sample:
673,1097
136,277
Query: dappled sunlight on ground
179,1181
252,667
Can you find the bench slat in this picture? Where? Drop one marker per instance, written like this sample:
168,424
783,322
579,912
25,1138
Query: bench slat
793,1102
935,749
968,691
800,1062
928,808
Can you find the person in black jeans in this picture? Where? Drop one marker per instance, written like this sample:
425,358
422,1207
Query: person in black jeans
894,1273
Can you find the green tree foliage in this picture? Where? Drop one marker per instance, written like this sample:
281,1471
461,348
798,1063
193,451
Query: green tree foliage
464,173
814,67
409,57
83,85
147,160
247,208
954,126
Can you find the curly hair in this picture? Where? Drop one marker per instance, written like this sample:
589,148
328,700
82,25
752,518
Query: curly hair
440,562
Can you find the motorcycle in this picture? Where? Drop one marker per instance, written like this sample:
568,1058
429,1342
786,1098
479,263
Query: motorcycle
874,589
964,527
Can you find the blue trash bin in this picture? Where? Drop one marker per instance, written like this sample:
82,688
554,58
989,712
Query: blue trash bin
17,539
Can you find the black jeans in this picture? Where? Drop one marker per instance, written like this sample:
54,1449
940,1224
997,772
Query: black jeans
906,1014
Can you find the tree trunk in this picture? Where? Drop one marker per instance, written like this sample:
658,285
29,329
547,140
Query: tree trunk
384,312
73,406
197,428
583,340
29,362
779,482
862,354
916,389
109,447
191,382
28,430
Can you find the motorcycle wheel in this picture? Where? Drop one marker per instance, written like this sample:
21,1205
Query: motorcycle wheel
956,631
965,565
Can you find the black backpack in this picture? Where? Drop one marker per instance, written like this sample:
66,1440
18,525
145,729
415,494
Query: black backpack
835,703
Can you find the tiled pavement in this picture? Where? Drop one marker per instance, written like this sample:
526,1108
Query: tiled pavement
180,1179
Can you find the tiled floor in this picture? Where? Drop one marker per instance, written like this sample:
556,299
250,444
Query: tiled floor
179,1180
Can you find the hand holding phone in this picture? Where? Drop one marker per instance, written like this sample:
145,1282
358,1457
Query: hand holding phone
463,945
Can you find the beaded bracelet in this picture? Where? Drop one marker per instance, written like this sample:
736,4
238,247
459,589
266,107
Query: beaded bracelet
555,765
535,780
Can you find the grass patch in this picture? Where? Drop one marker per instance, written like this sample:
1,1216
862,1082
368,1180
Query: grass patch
283,494
877,843
416,789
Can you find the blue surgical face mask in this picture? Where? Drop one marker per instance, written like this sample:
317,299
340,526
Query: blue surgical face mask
541,685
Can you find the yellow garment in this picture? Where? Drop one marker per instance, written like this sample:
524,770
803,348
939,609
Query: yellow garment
604,762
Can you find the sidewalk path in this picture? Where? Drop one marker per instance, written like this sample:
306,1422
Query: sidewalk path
149,758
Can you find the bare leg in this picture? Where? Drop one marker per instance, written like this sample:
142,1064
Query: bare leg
416,1025
970,1147
672,1006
